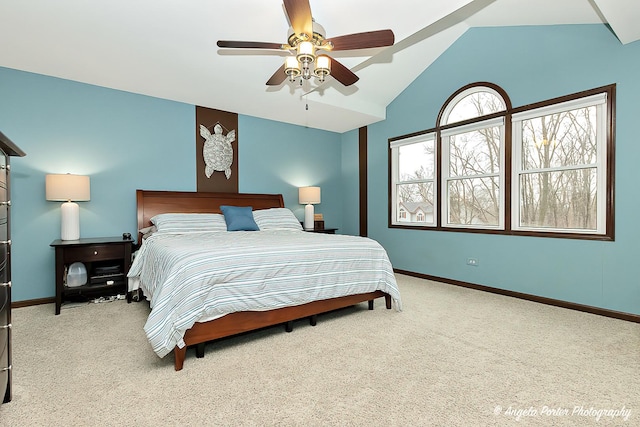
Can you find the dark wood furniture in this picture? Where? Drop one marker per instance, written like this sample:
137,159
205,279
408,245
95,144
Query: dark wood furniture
323,230
150,203
107,261
7,148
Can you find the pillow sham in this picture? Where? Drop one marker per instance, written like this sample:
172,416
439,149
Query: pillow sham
188,222
239,218
276,219
147,231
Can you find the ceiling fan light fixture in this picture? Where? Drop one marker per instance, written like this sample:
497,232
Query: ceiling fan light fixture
323,67
306,52
291,67
305,38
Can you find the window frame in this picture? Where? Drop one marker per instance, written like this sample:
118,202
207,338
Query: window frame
599,101
509,216
394,181
477,124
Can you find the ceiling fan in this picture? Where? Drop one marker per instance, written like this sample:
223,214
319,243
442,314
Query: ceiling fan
306,38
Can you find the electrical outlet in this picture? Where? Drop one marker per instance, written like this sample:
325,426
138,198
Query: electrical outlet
473,262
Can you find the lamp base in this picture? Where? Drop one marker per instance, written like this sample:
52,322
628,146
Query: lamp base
70,221
308,217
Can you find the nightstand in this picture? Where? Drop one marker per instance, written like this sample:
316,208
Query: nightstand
323,230
106,259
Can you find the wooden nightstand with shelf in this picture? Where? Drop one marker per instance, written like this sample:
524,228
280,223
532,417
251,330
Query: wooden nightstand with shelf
106,259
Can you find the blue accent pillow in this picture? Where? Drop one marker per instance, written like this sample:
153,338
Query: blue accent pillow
239,218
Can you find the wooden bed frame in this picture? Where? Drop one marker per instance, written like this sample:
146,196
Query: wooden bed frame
150,203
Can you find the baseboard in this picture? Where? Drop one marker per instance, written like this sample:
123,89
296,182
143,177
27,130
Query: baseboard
543,300
28,303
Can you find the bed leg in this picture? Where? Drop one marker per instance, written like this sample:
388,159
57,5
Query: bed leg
179,355
288,326
387,299
313,320
200,350
370,304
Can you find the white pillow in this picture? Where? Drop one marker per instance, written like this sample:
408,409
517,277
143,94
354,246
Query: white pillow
147,231
276,219
188,222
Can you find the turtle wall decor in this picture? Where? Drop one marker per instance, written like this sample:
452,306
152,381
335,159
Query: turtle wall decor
217,150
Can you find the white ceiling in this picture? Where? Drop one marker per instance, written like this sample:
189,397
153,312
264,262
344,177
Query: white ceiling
167,48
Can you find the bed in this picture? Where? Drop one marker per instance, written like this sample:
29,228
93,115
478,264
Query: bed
195,279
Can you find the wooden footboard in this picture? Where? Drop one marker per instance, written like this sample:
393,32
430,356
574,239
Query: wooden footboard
236,323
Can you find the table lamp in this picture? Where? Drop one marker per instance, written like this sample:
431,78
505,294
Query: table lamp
68,188
308,196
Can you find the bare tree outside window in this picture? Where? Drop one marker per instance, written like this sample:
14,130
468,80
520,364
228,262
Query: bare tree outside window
474,168
473,185
476,104
558,186
544,169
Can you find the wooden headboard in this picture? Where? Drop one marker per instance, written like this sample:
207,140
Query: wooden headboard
150,203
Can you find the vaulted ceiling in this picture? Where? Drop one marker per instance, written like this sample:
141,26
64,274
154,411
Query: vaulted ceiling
167,49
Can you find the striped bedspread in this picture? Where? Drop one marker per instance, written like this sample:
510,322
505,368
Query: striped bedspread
195,277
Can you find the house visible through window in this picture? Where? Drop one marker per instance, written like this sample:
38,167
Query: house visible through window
413,167
543,169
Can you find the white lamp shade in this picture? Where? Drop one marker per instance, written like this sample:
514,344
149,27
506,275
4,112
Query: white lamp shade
323,63
305,49
309,195
67,187
291,65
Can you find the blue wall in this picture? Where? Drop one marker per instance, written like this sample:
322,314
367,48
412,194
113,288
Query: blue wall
125,142
532,64
277,157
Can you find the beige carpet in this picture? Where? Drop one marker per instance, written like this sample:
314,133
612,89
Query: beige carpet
453,357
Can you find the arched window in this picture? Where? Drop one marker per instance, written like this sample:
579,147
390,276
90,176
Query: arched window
472,145
471,103
543,169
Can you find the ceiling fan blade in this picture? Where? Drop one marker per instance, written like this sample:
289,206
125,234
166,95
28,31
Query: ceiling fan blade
341,73
248,45
299,13
366,40
278,77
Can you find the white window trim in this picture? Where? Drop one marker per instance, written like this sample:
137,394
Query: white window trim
395,179
446,178
454,102
600,102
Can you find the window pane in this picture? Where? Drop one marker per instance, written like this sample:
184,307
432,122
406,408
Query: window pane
416,161
475,153
475,105
474,201
562,199
562,139
415,200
